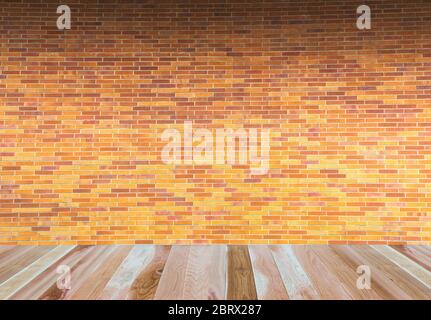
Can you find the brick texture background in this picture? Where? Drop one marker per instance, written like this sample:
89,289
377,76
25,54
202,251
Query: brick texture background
82,111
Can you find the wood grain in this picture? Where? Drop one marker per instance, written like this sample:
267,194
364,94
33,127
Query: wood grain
206,273
215,272
13,263
269,284
331,276
4,249
145,285
388,280
241,285
119,285
379,282
7,254
13,284
80,273
99,278
414,269
419,254
200,273
406,283
46,281
171,285
295,279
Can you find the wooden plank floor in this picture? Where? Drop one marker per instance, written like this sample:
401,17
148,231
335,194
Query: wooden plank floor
261,272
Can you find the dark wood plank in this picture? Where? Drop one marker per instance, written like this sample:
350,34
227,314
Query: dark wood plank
145,285
241,285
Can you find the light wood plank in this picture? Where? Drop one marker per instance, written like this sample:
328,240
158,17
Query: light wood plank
406,264
269,284
295,279
332,277
93,287
200,274
119,285
379,281
45,282
80,272
8,254
21,259
5,248
171,283
419,254
20,279
206,273
388,279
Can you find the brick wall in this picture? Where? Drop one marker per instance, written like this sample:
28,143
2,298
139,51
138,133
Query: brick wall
82,112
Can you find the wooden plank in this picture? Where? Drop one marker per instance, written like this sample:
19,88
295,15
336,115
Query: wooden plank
419,254
5,248
80,272
7,258
194,273
241,284
121,282
93,287
379,281
145,285
218,272
269,284
295,279
206,273
171,283
21,259
408,265
388,279
46,281
20,279
332,277
410,286
7,254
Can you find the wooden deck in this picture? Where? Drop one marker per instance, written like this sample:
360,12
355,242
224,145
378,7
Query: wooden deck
214,272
